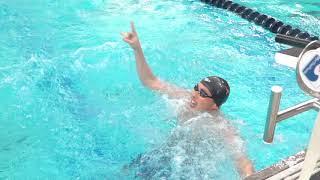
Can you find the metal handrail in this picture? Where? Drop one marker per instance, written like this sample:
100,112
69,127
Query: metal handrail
275,116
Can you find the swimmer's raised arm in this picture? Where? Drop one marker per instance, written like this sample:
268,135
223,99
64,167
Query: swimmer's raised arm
146,75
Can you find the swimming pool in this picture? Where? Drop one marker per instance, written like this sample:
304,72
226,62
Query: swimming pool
72,105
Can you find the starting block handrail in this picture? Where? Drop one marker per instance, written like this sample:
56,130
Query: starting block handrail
275,116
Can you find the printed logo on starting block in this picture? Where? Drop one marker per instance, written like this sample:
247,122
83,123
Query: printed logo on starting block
312,71
308,71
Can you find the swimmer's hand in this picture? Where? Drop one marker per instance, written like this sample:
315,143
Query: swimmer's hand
131,38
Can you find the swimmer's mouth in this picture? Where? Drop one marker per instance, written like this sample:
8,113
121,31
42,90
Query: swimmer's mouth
193,104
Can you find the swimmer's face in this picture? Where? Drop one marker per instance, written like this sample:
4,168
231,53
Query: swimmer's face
201,100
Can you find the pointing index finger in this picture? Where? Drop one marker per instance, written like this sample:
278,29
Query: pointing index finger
132,27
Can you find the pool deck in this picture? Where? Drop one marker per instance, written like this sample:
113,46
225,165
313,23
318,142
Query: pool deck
289,168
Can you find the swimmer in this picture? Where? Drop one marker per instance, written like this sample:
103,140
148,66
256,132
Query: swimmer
208,95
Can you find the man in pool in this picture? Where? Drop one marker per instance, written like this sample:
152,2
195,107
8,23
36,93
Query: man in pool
207,96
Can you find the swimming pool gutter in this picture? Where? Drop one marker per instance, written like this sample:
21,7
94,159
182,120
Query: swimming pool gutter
289,168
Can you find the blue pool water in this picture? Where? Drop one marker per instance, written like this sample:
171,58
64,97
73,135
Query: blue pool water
72,105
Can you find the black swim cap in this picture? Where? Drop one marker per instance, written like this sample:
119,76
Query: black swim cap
218,87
